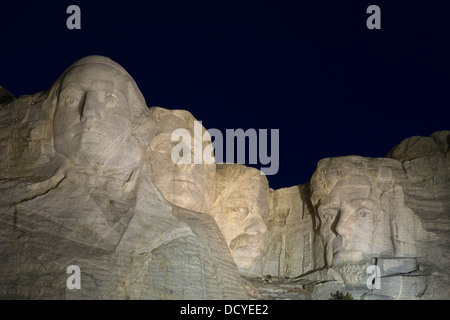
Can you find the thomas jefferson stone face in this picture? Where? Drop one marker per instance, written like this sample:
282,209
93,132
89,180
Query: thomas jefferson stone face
182,184
190,186
93,117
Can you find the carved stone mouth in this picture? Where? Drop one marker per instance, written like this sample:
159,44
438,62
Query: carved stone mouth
185,181
90,130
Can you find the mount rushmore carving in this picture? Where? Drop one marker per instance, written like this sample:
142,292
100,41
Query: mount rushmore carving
86,179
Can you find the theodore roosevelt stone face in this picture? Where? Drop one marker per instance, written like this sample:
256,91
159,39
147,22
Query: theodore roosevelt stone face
240,210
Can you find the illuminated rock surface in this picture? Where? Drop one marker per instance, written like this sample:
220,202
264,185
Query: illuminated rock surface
187,185
87,179
269,232
76,190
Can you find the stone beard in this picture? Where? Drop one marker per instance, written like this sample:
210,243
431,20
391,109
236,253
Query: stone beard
354,273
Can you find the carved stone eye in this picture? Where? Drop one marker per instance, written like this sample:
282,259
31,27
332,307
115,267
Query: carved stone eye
111,98
69,100
241,212
328,216
363,213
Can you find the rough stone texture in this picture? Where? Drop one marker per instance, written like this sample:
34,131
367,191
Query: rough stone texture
290,249
388,212
269,232
361,211
374,211
76,189
426,162
415,147
87,179
241,210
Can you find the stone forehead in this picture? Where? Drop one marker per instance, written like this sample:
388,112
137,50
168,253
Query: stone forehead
138,104
160,112
233,171
228,173
339,171
354,166
93,61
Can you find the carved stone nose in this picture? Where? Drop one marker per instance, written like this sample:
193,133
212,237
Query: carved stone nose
89,106
254,225
339,227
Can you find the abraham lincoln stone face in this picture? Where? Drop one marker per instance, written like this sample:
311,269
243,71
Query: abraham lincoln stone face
358,208
352,224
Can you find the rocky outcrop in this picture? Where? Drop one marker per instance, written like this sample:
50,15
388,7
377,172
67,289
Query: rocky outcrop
5,95
89,177
76,189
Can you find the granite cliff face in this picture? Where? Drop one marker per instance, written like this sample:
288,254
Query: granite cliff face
76,189
87,179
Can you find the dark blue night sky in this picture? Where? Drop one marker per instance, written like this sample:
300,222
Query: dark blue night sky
310,69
